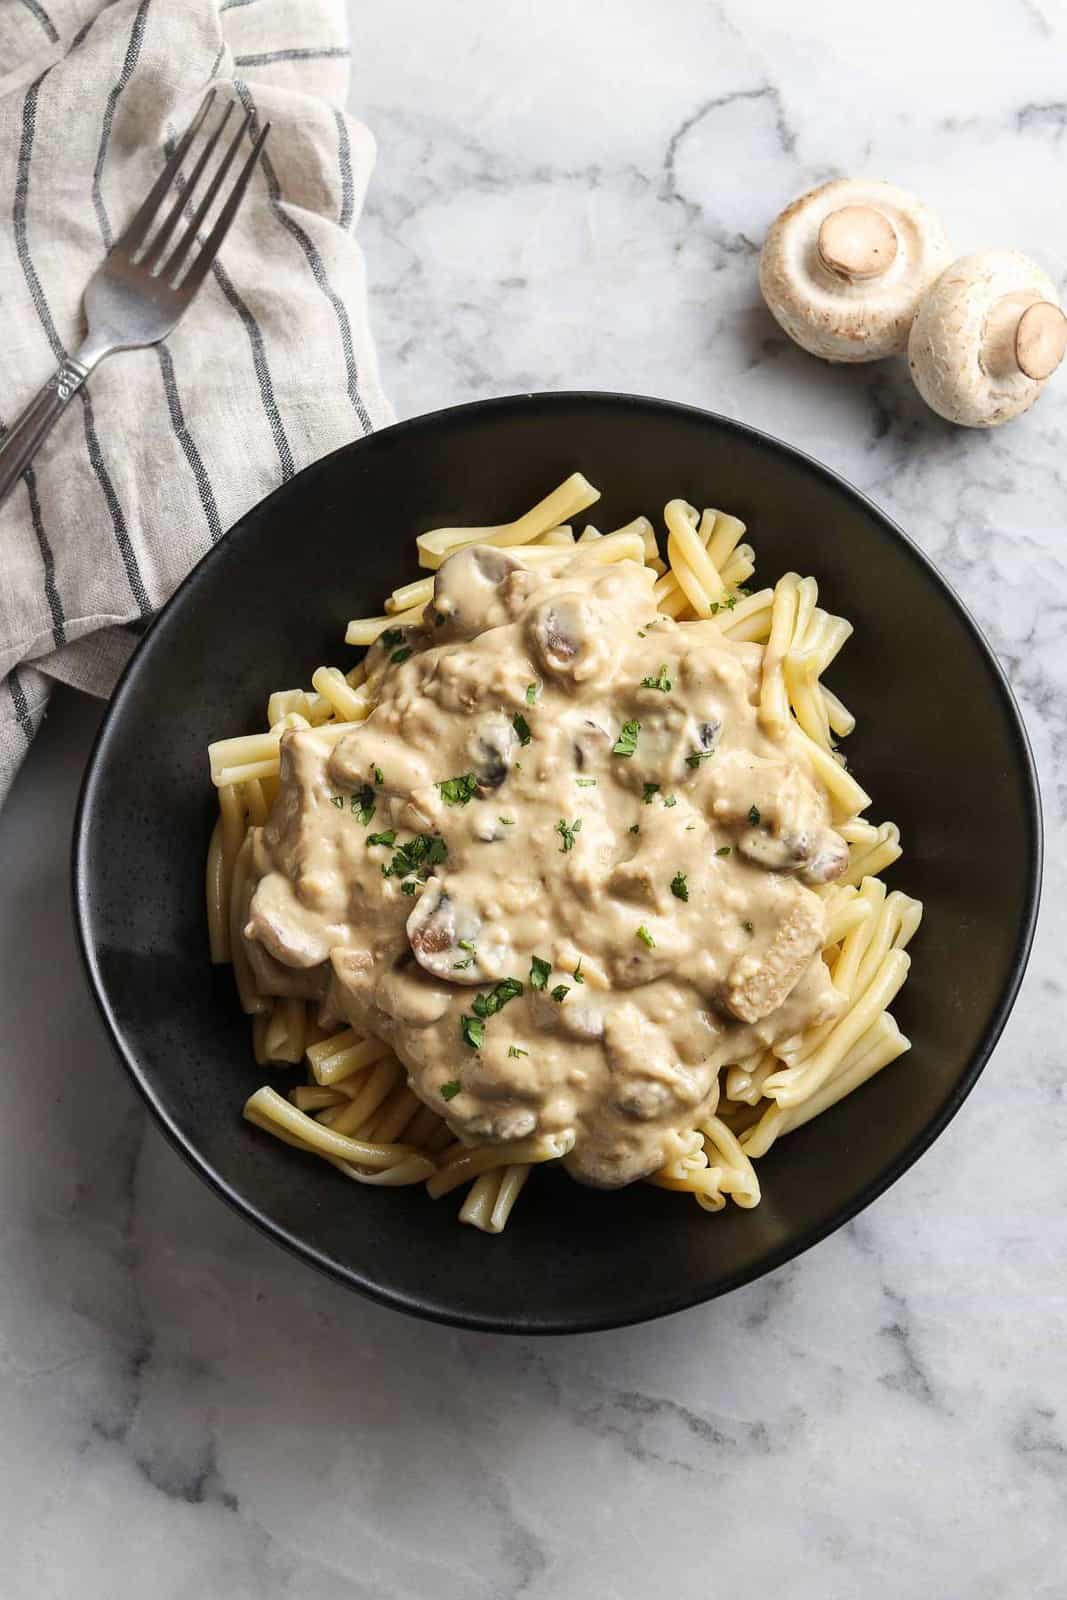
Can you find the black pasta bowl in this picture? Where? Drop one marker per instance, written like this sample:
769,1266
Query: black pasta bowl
939,744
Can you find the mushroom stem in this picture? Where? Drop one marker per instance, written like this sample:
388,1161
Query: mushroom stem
1022,334
857,243
1041,340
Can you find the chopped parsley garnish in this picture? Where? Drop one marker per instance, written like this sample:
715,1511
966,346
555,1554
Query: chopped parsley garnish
398,657
391,637
586,783
747,927
560,993
626,743
487,1005
679,887
670,800
449,1091
577,973
363,803
532,691
641,633
697,757
509,822
461,966
513,1050
522,727
636,828
727,602
724,850
410,886
421,854
754,816
540,972
645,937
458,791
566,832
337,800
379,775
473,1031
387,838
651,790
467,944
660,681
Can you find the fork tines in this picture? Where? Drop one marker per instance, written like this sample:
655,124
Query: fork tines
149,253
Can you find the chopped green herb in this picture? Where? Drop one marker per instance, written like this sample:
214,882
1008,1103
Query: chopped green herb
586,783
487,1005
387,838
363,803
566,832
522,727
467,944
577,973
425,851
742,590
560,993
449,1091
679,887
509,822
724,850
636,828
670,800
697,757
337,800
379,775
461,966
660,681
689,827
532,691
410,886
626,743
645,937
458,791
747,927
651,790
398,657
513,1050
540,971
754,816
473,1031
391,637
641,633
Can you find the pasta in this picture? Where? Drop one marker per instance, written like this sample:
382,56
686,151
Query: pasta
357,1110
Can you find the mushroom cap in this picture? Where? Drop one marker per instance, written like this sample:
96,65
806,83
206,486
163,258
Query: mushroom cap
844,267
986,338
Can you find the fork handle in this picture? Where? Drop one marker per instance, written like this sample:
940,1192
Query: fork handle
28,433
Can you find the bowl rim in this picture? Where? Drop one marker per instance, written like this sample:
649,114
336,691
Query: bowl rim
517,1322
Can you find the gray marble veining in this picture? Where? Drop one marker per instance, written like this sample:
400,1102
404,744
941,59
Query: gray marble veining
572,196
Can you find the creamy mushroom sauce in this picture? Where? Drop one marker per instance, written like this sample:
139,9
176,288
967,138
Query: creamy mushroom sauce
648,888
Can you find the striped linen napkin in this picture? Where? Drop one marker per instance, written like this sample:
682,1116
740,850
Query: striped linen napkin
272,367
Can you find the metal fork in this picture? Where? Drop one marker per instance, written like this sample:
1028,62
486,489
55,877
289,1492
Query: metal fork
135,297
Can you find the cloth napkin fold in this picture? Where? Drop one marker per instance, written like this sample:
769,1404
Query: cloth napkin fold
272,366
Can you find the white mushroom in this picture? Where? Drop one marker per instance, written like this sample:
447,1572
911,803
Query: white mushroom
987,338
844,267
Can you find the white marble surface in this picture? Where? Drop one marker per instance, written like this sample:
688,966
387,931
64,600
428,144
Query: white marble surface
568,195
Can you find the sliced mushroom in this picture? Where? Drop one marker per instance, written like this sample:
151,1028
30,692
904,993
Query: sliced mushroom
275,978
589,742
568,637
466,593
816,857
673,746
987,338
843,269
491,749
435,928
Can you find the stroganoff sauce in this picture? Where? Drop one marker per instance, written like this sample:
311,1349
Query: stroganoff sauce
561,869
